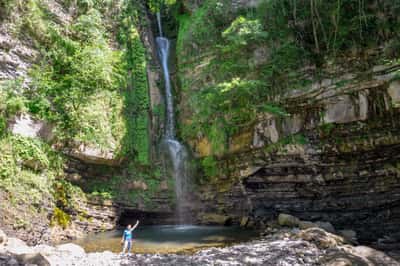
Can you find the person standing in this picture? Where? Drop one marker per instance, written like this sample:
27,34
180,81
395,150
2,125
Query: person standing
127,237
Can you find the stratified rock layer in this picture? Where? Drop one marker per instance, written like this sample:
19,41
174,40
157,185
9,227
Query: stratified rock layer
335,158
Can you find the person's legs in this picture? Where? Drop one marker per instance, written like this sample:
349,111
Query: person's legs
129,246
125,246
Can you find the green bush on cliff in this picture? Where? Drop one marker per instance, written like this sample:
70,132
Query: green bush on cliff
209,165
266,45
76,85
60,218
28,168
6,6
136,96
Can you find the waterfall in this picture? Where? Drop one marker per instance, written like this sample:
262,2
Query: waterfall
159,24
175,151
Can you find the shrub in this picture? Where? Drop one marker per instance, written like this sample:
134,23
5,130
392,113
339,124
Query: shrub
60,218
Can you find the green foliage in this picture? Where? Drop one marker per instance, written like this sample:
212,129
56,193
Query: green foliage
6,7
28,168
31,150
12,102
77,84
227,107
244,58
156,5
209,165
203,28
60,218
89,27
67,196
242,31
136,96
297,139
3,126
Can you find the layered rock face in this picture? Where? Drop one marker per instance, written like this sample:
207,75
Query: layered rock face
335,157
332,157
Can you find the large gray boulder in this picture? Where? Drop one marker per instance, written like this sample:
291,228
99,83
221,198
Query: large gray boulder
288,220
327,226
17,246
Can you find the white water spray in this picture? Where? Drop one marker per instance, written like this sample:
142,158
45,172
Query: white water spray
176,152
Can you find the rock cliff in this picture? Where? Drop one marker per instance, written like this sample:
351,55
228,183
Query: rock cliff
331,155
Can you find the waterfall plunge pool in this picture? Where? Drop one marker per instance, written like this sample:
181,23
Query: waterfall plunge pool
181,239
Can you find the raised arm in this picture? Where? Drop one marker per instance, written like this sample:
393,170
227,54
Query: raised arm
137,223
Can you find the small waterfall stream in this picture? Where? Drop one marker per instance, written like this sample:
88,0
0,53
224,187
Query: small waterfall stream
176,152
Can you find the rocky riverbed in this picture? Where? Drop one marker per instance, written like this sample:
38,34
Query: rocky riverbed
313,246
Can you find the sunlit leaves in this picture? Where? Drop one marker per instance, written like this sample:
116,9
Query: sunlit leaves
243,30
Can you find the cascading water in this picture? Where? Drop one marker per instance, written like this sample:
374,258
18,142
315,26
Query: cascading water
176,152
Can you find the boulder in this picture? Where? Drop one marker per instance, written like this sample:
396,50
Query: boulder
306,224
12,262
17,246
348,235
3,238
339,258
288,220
213,218
321,238
244,221
373,256
327,226
33,259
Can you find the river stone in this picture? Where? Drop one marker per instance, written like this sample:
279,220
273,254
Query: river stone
349,235
327,226
17,246
288,220
213,218
374,256
306,225
339,258
12,262
321,238
33,259
244,221
3,238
